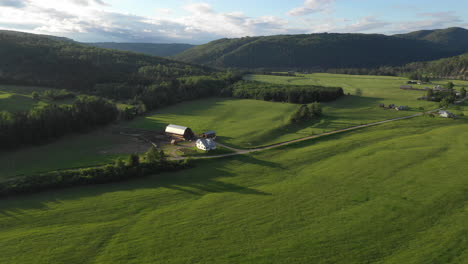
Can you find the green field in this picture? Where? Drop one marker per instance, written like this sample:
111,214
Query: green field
394,193
69,152
14,98
250,123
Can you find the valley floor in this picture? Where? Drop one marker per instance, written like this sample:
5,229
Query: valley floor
393,193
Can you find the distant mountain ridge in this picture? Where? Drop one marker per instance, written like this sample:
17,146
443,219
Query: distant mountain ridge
154,49
454,37
324,50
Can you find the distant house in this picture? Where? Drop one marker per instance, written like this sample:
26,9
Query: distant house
446,114
206,144
439,88
180,132
406,87
402,108
209,134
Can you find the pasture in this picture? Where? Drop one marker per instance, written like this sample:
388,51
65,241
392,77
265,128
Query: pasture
75,151
243,123
394,193
14,98
250,123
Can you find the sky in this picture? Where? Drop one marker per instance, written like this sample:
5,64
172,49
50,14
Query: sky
197,22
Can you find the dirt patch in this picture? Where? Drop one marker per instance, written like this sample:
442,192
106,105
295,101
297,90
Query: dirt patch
127,145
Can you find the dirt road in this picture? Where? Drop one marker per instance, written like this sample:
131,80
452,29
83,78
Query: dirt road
246,151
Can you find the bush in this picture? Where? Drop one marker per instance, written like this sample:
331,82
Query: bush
305,112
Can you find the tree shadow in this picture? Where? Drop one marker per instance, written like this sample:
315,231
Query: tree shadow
203,179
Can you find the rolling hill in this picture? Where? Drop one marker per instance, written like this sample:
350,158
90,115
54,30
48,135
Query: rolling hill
454,37
324,50
154,49
452,68
56,62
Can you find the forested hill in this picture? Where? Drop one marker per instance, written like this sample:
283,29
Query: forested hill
48,61
455,37
316,51
154,49
453,68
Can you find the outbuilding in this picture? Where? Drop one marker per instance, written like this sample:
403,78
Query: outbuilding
180,132
206,144
209,134
402,108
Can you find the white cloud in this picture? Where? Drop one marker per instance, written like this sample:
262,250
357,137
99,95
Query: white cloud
429,21
311,6
365,24
199,8
89,2
163,11
92,21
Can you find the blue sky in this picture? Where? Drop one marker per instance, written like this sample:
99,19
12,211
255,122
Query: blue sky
192,21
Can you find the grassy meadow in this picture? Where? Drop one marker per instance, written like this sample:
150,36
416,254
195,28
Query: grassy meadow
18,98
251,123
394,193
96,148
14,98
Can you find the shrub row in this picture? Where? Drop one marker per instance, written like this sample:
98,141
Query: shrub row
119,171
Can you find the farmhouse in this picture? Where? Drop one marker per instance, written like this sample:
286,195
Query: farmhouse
446,114
206,144
209,134
180,132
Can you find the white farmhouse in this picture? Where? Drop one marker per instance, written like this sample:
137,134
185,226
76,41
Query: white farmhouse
206,144
446,114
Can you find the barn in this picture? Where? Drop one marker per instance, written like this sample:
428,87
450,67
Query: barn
180,132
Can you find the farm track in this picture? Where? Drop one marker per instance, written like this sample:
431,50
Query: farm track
281,144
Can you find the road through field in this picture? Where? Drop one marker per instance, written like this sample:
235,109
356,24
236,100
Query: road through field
277,145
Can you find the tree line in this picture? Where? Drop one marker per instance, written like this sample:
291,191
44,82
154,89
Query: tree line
452,68
152,163
52,121
159,94
300,94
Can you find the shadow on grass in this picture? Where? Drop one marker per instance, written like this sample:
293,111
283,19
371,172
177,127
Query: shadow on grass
200,180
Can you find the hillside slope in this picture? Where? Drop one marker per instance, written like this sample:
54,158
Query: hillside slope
454,37
42,60
452,68
154,49
316,51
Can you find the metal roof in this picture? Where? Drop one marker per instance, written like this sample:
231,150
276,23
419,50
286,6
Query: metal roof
208,143
175,129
